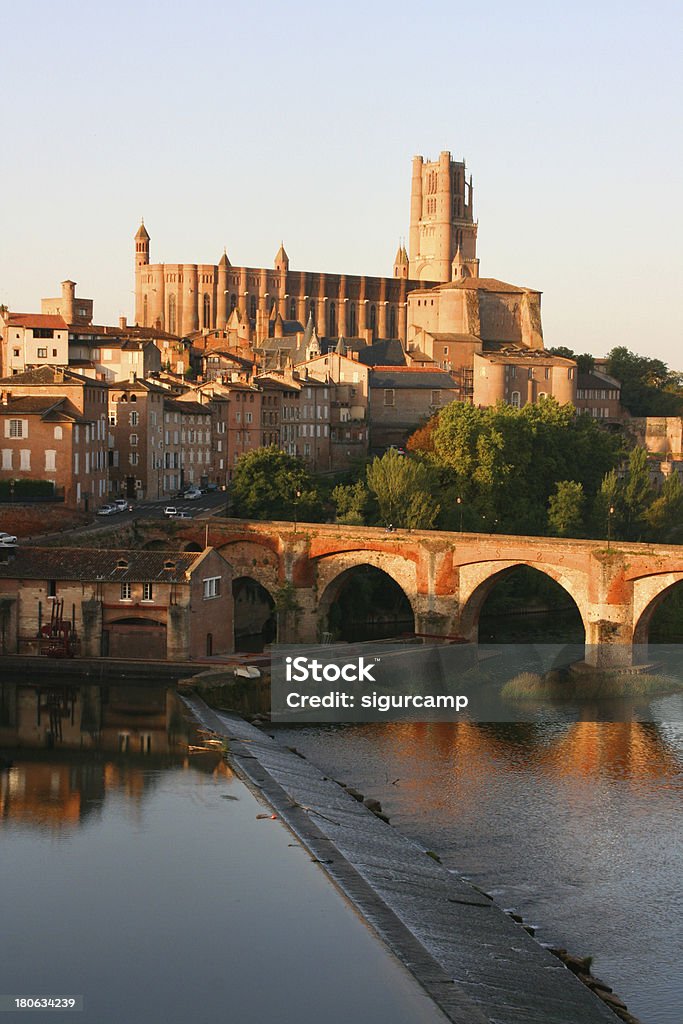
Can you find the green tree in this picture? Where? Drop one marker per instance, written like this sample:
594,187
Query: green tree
402,487
565,509
637,494
664,517
351,501
270,484
648,386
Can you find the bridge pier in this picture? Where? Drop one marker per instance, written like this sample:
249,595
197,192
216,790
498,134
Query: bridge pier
609,642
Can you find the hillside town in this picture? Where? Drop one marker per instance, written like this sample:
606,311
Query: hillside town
223,360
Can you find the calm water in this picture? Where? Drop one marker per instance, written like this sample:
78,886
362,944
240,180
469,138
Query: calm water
576,826
136,873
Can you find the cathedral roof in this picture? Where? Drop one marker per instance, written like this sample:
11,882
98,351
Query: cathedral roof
142,231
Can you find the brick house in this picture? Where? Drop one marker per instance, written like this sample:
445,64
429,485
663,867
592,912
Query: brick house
519,377
403,397
29,340
158,605
136,434
53,426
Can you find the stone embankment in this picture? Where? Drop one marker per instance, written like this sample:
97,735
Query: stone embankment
477,963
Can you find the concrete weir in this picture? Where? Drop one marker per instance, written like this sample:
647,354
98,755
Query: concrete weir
475,962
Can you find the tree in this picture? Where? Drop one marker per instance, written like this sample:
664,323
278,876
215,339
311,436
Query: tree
352,502
270,484
565,509
637,493
648,386
402,486
664,517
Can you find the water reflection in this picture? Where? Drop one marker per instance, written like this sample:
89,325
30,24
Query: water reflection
576,824
66,748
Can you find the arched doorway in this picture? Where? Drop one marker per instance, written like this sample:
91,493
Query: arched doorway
521,604
365,603
254,615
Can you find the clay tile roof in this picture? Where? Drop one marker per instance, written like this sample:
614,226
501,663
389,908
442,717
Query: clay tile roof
37,320
95,564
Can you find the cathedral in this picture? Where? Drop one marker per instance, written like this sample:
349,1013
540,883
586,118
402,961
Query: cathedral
257,303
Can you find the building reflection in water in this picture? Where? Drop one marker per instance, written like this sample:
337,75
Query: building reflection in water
64,749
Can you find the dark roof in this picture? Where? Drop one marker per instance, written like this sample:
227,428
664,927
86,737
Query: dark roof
450,336
188,408
95,564
51,375
598,380
389,377
385,352
47,406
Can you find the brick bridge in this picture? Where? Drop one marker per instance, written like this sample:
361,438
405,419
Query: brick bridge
445,576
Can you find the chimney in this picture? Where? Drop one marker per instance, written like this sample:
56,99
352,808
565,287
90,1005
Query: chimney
123,323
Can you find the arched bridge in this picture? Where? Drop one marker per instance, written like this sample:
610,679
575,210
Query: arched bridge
445,576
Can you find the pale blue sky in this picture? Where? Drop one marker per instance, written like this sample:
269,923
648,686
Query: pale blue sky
241,124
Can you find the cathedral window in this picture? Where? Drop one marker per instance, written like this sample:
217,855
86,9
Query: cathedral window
252,307
292,309
207,310
172,324
332,321
352,319
373,317
233,302
392,322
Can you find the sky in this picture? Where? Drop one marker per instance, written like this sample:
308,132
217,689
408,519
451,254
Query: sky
241,125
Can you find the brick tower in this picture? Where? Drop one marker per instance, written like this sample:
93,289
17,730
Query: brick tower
441,220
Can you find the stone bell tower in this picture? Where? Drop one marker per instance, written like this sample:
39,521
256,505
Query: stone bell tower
441,219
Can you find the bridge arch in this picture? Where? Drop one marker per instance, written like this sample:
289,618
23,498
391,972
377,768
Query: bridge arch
254,614
478,580
336,572
649,592
256,561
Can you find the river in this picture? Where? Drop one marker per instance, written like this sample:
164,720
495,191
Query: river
575,826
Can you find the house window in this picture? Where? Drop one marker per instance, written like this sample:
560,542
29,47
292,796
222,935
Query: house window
389,396
52,588
42,353
25,458
570,373
547,373
515,399
212,587
134,419
147,592
6,458
513,371
436,398
17,353
134,458
50,461
16,428
133,440
58,433
126,592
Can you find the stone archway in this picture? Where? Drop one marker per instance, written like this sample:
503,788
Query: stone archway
254,614
649,593
364,602
477,581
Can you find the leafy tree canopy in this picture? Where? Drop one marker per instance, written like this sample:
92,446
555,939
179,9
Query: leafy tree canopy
270,484
403,489
648,386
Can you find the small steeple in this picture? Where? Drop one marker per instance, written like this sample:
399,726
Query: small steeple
224,261
459,268
309,330
282,259
142,230
401,261
141,245
341,347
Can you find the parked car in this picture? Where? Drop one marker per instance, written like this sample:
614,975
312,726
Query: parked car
7,538
183,515
171,511
122,505
107,510
192,495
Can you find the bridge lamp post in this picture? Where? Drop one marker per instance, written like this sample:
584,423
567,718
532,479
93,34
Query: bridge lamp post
610,513
297,495
458,502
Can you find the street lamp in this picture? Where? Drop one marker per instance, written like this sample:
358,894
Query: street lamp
610,513
296,506
458,502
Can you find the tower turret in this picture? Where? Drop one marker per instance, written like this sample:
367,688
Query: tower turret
282,259
401,262
141,246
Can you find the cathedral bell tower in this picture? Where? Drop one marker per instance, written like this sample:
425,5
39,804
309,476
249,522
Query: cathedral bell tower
441,219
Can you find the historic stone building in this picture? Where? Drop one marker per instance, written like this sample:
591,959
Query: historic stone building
183,298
